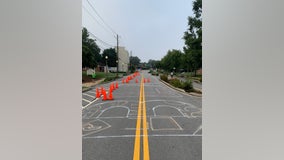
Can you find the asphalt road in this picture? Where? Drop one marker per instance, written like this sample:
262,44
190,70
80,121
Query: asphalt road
144,121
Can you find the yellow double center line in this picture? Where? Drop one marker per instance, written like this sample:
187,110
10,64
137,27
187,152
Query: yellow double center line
141,106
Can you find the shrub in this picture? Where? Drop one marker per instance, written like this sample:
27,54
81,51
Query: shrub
154,73
164,77
176,83
187,86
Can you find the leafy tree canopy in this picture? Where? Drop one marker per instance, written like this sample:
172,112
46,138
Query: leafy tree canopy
111,54
90,50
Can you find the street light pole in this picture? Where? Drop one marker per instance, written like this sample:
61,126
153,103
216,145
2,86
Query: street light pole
106,57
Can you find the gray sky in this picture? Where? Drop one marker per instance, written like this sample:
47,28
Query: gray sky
148,28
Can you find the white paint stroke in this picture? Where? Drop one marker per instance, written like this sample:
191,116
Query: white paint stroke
154,135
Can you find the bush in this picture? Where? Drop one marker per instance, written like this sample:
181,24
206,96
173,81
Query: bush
109,79
154,73
187,86
176,83
164,77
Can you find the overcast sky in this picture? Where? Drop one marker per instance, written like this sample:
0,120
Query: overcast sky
148,28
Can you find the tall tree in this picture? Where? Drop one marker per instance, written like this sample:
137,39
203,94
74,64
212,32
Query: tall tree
172,61
134,61
153,63
111,54
90,51
193,39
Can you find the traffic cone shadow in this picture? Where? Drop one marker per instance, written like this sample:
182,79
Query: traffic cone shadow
102,89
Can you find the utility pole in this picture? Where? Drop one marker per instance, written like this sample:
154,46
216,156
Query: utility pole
117,58
130,61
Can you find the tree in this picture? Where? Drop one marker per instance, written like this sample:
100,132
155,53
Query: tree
193,39
172,61
111,54
90,51
134,62
154,63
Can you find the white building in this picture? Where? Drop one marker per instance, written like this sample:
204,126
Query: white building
123,59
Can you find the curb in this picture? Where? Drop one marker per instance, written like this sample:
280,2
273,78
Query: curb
181,90
91,87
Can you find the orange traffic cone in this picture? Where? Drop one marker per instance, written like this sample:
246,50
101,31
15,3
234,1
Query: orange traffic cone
148,80
144,80
116,85
104,95
110,96
136,80
98,93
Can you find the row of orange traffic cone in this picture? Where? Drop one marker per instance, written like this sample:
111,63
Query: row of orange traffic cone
129,78
113,86
146,80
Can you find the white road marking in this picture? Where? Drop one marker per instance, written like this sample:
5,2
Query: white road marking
88,95
199,128
89,103
86,100
154,109
164,129
157,90
107,126
128,110
92,92
154,135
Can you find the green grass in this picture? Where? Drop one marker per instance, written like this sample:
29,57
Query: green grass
100,75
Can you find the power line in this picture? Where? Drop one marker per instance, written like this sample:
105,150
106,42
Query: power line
103,42
101,17
97,20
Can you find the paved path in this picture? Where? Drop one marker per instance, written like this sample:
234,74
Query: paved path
144,121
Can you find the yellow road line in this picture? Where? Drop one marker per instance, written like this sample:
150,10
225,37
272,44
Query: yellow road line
141,106
136,155
145,132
